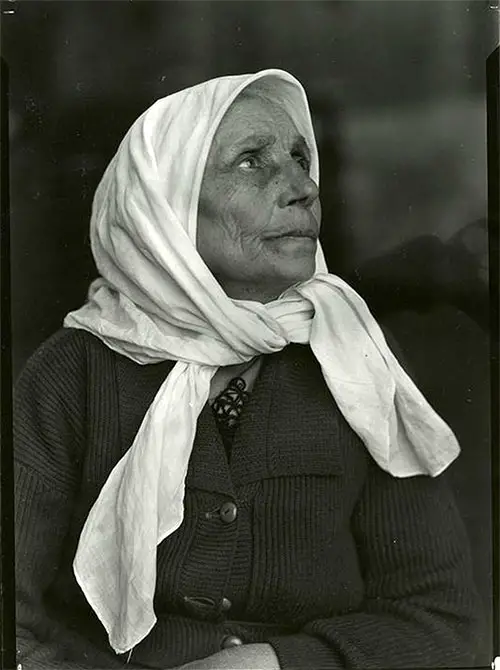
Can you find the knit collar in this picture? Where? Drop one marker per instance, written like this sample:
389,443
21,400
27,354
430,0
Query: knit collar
289,401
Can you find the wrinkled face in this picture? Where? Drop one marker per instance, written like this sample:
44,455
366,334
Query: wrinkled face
258,212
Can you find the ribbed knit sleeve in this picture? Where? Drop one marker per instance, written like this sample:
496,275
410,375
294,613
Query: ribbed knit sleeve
421,608
49,437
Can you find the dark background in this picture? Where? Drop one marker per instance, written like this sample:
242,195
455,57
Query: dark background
397,90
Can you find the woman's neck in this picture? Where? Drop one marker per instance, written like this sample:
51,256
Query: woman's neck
249,371
263,294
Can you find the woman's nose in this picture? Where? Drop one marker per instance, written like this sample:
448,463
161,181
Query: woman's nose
298,187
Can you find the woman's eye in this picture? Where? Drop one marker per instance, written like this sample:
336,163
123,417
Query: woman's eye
249,163
303,161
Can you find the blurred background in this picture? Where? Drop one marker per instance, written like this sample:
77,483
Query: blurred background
398,94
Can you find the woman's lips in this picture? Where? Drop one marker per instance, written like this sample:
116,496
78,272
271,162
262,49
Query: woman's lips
307,234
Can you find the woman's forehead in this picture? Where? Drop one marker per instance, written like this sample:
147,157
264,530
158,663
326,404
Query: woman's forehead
255,117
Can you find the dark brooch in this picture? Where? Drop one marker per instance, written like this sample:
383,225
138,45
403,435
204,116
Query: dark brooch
227,408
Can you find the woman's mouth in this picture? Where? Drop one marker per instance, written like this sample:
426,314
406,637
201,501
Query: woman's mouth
297,234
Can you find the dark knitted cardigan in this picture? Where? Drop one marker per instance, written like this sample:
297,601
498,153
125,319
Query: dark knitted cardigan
329,559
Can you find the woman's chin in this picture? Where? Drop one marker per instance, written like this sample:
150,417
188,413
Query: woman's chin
296,273
298,261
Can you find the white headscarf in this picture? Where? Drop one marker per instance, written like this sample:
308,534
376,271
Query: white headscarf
157,300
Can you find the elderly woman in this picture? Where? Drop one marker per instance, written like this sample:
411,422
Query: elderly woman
220,462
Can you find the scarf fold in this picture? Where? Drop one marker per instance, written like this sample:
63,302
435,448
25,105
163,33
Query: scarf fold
157,300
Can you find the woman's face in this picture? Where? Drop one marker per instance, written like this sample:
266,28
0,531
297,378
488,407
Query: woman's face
258,212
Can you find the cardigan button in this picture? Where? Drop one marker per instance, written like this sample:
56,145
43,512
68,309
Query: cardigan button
225,605
231,641
228,512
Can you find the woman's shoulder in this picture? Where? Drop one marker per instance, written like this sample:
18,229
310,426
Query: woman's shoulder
68,339
67,349
73,360
61,365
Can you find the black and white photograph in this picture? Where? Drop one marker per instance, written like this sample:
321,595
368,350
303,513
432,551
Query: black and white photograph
248,335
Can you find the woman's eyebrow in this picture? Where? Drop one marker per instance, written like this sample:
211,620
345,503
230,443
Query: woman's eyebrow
261,141
255,141
228,151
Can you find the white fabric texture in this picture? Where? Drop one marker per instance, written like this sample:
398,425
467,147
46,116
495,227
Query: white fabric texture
157,300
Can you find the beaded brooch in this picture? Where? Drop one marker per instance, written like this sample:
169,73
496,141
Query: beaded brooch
227,408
